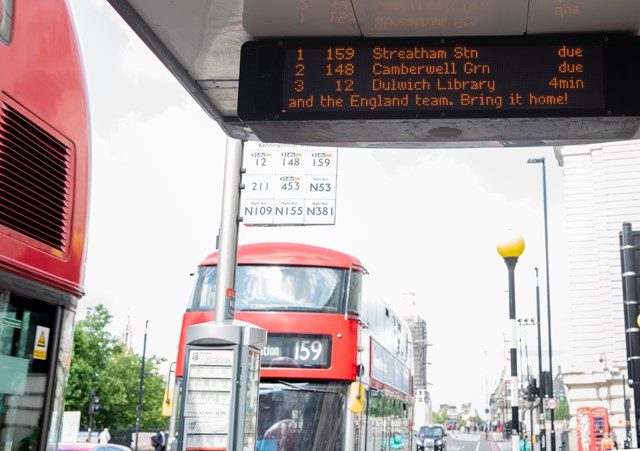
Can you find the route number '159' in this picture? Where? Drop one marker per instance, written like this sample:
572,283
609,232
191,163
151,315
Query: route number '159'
307,350
321,162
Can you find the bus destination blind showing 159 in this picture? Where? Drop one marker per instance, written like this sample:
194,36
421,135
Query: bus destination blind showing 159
368,78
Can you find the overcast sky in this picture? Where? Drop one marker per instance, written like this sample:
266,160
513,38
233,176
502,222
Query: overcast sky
424,222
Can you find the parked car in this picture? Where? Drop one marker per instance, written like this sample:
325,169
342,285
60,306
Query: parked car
432,437
85,446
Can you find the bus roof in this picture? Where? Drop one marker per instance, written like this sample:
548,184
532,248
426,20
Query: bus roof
295,254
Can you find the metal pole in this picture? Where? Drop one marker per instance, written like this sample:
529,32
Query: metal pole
521,360
515,420
552,432
531,421
532,401
486,392
139,407
91,398
632,311
227,254
526,353
543,436
627,415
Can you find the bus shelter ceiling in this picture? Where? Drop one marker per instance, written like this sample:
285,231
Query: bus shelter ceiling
199,41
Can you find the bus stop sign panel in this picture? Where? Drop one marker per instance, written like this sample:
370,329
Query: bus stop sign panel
220,397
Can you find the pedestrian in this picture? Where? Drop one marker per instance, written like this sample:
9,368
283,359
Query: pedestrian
607,442
614,437
158,441
104,436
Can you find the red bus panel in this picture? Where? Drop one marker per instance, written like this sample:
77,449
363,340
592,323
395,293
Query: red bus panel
44,147
343,339
288,254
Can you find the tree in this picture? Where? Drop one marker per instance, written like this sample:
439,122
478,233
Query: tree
562,411
123,379
101,363
439,418
476,419
92,348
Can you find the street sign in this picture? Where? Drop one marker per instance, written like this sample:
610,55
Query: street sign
552,403
288,184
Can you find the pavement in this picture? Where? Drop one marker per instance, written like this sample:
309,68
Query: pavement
462,435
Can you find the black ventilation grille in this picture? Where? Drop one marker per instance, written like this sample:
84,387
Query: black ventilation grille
35,180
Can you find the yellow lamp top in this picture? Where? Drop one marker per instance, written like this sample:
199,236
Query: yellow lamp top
511,246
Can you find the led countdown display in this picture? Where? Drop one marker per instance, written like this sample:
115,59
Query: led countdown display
549,76
297,351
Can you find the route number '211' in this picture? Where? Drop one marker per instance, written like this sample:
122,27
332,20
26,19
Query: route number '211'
306,350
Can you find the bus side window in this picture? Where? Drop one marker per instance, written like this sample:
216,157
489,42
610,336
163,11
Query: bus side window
6,20
355,294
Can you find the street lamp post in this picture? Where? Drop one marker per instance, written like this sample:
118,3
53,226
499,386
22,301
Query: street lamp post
530,397
543,433
510,249
552,431
140,388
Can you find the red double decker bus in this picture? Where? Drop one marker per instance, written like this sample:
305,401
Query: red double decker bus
44,171
336,370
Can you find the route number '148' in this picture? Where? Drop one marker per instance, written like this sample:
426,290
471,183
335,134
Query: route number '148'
308,350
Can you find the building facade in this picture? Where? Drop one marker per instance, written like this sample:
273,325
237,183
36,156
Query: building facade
601,192
423,411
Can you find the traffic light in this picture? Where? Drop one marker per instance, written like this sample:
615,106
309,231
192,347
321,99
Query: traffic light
534,392
531,390
94,404
506,429
546,385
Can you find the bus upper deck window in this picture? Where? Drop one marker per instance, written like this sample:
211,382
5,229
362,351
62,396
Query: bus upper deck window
204,290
